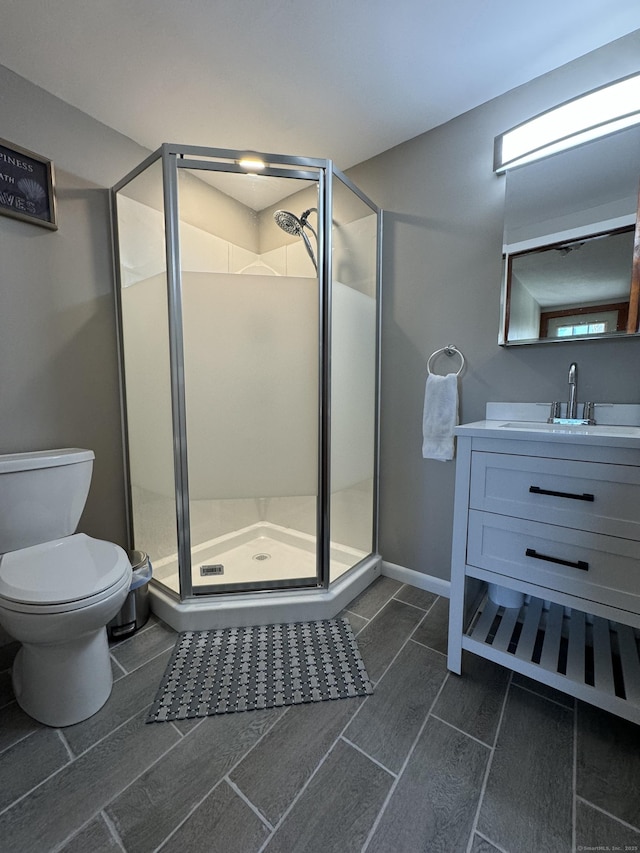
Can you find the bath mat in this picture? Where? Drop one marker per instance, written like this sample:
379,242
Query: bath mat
244,669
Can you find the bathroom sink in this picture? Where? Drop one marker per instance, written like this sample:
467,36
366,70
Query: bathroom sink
574,429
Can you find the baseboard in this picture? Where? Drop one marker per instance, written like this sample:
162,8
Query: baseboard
428,582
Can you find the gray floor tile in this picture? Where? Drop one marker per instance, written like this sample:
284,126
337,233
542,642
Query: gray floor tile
434,804
185,726
337,809
166,782
275,771
543,690
383,637
152,807
29,762
128,697
357,622
94,838
223,823
481,845
473,701
389,722
418,597
140,648
433,631
15,725
374,597
608,763
598,831
72,797
527,806
117,672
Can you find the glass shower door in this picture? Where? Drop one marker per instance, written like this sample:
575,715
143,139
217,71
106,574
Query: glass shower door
250,340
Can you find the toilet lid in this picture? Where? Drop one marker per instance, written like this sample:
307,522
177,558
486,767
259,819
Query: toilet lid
68,569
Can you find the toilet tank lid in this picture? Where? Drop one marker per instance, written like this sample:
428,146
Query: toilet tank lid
33,459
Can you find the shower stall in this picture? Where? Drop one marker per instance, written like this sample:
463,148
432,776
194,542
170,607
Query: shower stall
248,304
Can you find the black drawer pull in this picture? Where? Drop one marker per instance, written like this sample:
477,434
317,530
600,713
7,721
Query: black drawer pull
579,564
585,496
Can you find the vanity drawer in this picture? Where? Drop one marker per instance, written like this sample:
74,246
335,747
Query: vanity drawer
594,496
589,565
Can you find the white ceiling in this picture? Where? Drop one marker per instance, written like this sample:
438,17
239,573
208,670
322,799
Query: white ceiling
338,79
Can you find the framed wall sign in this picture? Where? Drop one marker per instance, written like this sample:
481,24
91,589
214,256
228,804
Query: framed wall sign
26,186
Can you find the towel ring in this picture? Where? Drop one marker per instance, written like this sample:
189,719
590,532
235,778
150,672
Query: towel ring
450,351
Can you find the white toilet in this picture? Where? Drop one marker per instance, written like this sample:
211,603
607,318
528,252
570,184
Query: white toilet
58,590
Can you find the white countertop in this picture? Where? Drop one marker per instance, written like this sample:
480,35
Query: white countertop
613,436
527,422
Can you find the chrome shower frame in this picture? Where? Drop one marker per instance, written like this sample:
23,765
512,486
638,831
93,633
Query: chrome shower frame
232,608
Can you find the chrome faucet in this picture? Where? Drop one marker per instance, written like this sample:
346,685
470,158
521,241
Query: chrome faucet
571,416
572,405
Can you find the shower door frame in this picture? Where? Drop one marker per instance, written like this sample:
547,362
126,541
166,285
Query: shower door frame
174,157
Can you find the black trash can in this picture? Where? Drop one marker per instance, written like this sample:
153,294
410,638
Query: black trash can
135,611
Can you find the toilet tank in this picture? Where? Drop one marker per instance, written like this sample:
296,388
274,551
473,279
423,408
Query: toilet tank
42,495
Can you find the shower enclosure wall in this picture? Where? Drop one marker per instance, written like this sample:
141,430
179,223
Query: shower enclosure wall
249,313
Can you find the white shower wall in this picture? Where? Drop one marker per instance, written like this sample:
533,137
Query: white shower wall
142,251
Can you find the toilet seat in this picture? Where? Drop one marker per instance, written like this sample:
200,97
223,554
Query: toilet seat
64,574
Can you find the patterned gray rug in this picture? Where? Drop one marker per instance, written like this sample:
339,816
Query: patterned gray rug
243,669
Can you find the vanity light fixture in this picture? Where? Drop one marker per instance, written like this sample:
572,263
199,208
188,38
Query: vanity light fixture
598,113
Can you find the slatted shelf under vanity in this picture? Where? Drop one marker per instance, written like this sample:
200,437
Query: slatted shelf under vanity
589,657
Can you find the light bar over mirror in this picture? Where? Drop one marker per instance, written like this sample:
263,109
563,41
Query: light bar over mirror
597,113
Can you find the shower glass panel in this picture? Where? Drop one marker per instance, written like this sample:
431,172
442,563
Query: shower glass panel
144,344
354,315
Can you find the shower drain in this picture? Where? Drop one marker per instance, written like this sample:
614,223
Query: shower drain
262,557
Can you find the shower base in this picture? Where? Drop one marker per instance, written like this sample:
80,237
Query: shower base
253,554
291,556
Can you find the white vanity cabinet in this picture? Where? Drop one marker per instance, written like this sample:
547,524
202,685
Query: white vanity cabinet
554,515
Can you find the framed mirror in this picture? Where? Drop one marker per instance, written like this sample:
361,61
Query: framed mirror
570,238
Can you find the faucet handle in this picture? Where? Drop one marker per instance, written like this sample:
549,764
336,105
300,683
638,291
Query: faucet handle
588,412
554,412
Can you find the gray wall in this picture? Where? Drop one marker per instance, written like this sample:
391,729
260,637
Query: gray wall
443,238
442,270
58,364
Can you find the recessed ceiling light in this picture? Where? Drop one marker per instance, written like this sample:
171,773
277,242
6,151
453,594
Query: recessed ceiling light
251,164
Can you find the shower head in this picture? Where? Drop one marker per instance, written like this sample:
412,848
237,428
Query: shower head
290,223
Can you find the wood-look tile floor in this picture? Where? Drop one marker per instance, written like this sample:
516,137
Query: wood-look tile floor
431,762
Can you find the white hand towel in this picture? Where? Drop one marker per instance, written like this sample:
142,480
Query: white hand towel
439,416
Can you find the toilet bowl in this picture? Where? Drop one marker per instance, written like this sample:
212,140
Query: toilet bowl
56,599
57,594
